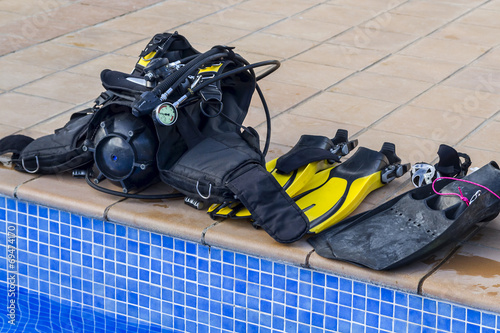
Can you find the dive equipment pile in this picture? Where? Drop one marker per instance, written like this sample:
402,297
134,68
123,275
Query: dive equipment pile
178,118
332,192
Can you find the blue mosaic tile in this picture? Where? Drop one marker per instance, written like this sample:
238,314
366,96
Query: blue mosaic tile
305,289
358,316
278,296
412,328
429,320
373,292
458,326
291,286
459,312
415,302
291,300
359,302
240,260
386,324
292,272
415,316
387,309
472,328
473,316
372,305
488,320
279,282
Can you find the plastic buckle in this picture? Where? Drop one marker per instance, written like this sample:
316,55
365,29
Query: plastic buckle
393,171
389,174
103,98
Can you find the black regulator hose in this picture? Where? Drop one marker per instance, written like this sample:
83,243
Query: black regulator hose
179,76
130,195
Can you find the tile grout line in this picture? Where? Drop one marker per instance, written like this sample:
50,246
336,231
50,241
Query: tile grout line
106,210
452,252
420,94
79,29
16,189
91,59
203,233
379,60
479,127
435,84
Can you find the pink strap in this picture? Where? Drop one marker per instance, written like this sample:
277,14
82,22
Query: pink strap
461,196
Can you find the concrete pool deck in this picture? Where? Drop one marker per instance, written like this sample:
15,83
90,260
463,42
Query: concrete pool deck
416,73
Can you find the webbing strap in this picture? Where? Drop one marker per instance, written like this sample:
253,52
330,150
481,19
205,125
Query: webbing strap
271,208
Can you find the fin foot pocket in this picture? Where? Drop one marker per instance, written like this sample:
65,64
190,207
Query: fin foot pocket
412,225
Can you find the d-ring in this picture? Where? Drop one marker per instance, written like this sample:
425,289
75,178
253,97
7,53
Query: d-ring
209,190
31,171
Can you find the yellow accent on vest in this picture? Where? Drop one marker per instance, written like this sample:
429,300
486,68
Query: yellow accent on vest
214,68
144,61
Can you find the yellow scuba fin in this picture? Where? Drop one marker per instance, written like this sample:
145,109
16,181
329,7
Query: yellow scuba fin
348,185
334,193
295,169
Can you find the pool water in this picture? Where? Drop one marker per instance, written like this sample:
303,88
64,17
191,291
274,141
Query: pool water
36,312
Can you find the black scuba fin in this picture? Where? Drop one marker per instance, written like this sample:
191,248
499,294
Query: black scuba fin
414,224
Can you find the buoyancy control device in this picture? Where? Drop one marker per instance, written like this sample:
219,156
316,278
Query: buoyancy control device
179,115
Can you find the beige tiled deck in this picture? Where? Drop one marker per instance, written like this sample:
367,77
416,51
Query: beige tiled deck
414,72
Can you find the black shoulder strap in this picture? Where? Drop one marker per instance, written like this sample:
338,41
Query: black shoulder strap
271,208
14,144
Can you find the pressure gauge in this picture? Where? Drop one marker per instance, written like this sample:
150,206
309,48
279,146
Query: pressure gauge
166,114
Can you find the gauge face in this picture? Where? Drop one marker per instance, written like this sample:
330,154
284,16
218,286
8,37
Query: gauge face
166,114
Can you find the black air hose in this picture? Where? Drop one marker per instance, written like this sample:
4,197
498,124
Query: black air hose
213,53
150,99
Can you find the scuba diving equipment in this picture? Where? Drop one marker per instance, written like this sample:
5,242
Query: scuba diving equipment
414,224
333,193
124,149
450,165
204,150
295,169
164,50
208,95
64,150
